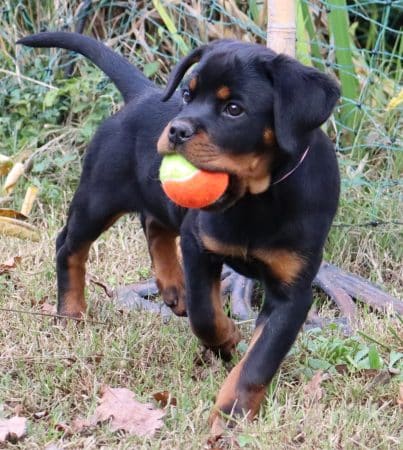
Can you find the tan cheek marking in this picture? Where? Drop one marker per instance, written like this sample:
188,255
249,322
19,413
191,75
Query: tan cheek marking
193,84
253,168
163,144
223,93
221,248
284,264
268,136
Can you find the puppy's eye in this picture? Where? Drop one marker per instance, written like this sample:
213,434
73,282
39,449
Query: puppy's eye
233,110
186,96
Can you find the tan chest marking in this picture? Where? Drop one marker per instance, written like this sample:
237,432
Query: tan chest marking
269,137
221,248
285,265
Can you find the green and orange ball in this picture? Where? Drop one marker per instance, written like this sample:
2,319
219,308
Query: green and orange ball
188,186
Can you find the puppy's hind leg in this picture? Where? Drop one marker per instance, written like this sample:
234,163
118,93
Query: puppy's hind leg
85,224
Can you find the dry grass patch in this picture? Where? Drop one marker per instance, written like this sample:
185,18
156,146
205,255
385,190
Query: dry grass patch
52,374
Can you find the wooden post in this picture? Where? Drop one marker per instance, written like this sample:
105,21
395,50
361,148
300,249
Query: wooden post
281,30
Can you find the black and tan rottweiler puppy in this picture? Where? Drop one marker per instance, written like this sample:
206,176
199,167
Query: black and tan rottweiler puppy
244,110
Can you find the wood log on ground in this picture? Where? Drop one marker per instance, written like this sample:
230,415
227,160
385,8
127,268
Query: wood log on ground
341,286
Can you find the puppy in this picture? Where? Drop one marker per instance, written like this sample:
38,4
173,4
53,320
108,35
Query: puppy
244,110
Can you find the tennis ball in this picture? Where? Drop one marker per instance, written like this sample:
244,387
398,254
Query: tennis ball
188,186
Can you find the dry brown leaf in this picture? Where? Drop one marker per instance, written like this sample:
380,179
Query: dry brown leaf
400,397
13,176
6,212
312,390
30,197
125,413
12,429
19,229
9,264
5,164
164,398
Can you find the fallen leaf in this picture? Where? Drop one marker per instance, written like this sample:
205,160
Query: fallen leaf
312,390
29,199
12,429
13,176
164,398
17,228
400,397
9,264
7,212
125,413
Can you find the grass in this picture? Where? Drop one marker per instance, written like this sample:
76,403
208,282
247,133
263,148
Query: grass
52,374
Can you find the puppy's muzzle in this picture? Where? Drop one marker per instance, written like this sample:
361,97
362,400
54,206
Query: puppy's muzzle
180,131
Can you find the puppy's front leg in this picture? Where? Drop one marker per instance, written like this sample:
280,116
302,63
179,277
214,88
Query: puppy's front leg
283,313
204,306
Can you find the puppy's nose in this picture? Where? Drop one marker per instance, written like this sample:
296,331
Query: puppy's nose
180,131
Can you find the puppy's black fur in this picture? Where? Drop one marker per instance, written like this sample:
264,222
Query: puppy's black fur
244,110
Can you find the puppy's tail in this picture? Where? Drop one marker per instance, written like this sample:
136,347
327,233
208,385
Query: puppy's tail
129,80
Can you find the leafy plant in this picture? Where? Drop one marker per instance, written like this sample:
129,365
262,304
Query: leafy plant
327,350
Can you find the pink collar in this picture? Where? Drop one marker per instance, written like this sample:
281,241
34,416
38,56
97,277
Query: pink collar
294,169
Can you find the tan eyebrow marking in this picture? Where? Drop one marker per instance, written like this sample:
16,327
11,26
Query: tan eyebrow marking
223,93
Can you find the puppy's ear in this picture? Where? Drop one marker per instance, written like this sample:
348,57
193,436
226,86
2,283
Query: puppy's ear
303,99
180,70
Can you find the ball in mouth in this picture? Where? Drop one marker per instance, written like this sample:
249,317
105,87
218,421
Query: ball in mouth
188,186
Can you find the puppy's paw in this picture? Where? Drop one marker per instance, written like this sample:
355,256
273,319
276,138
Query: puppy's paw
227,348
174,297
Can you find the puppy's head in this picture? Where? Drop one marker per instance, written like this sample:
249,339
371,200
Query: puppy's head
246,110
